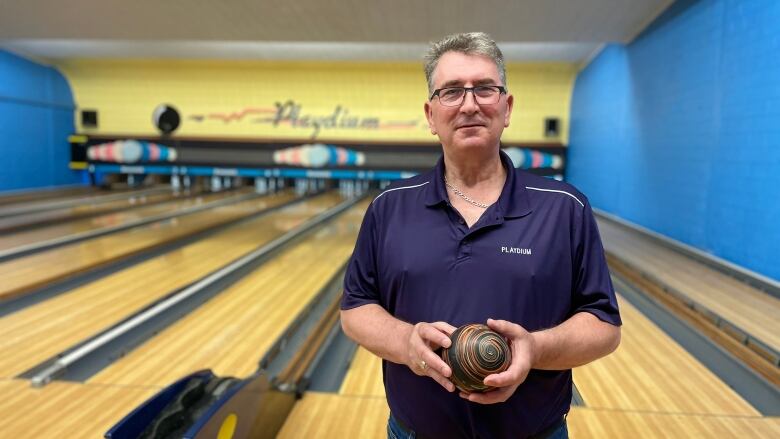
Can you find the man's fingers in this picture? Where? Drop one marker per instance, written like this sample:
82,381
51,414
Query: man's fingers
444,382
428,337
433,334
507,329
446,327
515,374
492,397
435,363
503,379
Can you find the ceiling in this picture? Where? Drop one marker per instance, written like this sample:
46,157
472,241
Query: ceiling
535,30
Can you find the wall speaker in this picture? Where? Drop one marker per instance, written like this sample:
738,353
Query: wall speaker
89,119
551,127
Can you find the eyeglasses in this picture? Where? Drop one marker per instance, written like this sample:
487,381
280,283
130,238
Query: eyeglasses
454,96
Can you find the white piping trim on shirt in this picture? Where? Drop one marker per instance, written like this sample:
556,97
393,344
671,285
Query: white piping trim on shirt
398,188
552,190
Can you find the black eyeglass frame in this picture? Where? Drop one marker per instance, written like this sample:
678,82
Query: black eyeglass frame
501,90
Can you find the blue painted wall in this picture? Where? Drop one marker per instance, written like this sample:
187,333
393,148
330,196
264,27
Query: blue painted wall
36,118
679,131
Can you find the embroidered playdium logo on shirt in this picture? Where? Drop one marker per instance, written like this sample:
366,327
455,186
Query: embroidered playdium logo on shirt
516,250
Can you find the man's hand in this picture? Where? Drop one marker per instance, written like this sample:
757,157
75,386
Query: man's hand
523,354
421,358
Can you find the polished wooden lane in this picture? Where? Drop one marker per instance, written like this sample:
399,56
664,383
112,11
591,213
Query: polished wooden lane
327,415
596,423
26,196
364,377
66,228
358,410
751,310
71,213
38,332
24,274
230,333
64,410
651,372
93,197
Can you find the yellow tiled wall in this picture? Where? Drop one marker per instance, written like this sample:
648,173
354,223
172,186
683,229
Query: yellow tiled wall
227,98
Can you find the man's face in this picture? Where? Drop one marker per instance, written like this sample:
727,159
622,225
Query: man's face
469,125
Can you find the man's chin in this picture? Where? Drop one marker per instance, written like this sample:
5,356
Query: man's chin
472,130
471,142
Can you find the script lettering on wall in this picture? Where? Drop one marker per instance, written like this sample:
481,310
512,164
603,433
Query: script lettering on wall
290,113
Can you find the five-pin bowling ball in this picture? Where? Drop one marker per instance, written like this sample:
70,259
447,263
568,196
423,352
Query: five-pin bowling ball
476,352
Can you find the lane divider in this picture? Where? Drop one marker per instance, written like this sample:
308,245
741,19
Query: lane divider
36,247
82,353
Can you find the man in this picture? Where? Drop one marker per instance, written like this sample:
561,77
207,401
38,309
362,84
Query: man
475,240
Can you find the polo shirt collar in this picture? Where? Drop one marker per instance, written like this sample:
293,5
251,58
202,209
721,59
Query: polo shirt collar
436,191
512,203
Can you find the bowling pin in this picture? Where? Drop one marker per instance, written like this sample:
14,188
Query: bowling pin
175,183
260,186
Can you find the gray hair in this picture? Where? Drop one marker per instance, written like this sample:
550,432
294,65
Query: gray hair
472,43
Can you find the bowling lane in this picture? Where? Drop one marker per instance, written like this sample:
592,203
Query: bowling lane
330,415
364,377
327,415
362,395
43,330
23,274
79,211
91,198
231,332
591,423
26,196
64,410
651,372
64,229
751,310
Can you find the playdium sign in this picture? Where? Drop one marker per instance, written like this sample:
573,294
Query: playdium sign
291,113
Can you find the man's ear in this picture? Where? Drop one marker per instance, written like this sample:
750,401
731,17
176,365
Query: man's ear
510,100
429,115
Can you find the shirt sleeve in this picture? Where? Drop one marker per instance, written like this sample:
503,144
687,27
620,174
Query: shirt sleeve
360,280
593,290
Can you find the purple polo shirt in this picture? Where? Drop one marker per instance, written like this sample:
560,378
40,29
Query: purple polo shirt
534,258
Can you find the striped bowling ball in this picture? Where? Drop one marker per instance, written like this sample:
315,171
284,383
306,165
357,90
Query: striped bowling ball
476,352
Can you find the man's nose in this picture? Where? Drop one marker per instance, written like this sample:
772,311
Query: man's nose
469,104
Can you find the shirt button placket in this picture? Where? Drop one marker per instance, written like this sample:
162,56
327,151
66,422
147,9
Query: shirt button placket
466,247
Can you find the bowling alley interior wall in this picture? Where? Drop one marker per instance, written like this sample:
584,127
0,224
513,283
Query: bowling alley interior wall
36,117
679,131
297,101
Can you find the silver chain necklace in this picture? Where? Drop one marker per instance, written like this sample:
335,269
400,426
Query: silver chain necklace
464,196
